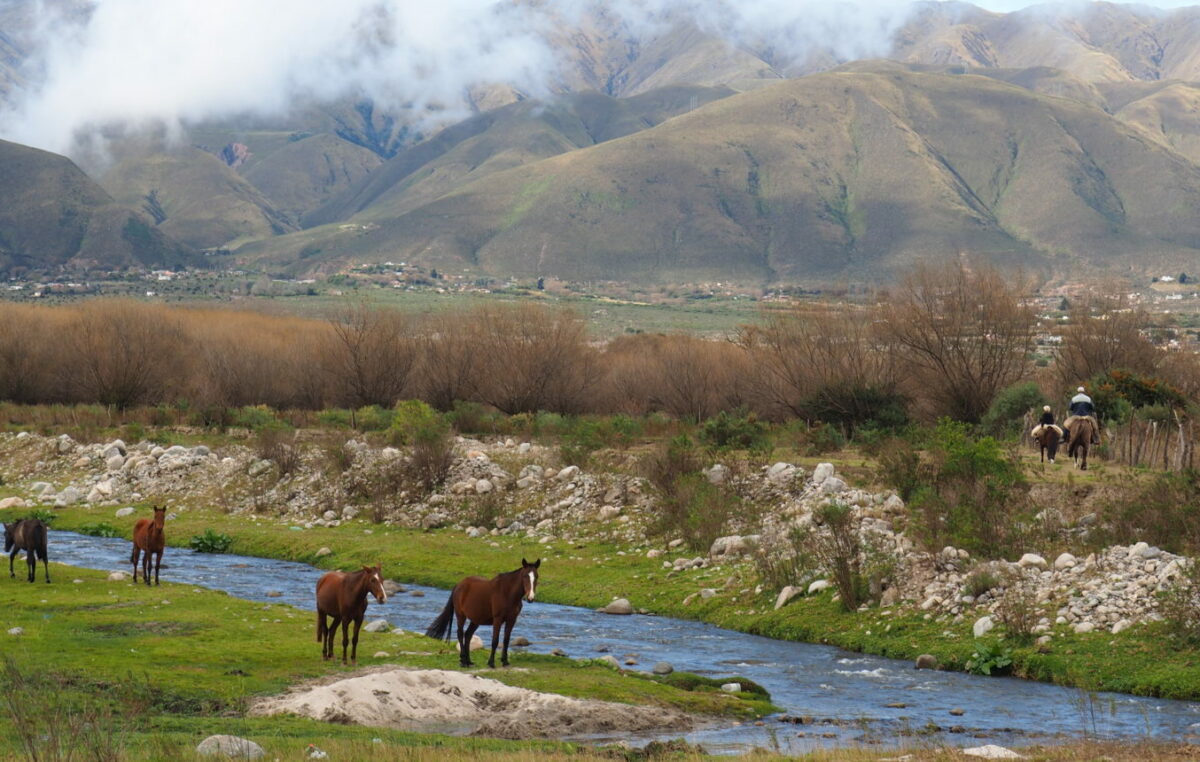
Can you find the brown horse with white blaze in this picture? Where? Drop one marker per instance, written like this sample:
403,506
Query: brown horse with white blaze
148,538
343,597
494,602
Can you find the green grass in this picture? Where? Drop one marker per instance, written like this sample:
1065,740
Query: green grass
1141,660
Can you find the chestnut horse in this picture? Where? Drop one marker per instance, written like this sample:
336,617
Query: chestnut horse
148,537
343,596
1080,441
28,535
486,602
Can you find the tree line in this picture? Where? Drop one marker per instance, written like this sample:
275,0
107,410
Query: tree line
945,342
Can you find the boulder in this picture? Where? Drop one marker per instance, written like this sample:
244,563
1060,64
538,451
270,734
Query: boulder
818,586
983,626
114,463
927,661
732,687
833,486
733,545
483,486
662,668
1084,627
718,474
16,631
69,496
610,660
822,472
11,502
1121,626
520,640
781,473
620,606
567,474
123,512
229,746
377,625
117,576
476,643
608,512
785,595
1032,560
258,468
1065,561
323,552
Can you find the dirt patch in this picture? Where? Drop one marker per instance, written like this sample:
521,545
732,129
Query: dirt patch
445,701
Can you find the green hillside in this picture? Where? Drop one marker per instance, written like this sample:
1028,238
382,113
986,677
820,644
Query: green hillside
54,215
845,173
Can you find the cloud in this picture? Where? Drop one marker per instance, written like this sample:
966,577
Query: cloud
167,63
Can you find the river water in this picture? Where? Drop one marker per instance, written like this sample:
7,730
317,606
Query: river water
846,694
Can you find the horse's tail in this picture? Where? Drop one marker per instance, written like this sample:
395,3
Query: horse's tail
322,628
440,629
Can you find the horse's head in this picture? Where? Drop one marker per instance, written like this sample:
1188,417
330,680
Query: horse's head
375,582
529,577
9,536
160,515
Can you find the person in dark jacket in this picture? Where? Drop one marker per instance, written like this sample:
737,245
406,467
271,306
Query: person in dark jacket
1047,419
1082,407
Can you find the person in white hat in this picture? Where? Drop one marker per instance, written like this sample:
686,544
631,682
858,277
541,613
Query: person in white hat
1082,407
1047,419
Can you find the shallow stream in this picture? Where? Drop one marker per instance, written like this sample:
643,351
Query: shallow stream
846,696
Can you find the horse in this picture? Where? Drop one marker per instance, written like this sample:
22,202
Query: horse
343,596
1080,440
148,536
1047,439
486,602
28,535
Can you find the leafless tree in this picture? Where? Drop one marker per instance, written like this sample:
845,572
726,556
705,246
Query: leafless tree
1104,333
369,356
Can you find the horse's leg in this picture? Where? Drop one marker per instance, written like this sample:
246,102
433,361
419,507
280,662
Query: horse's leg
462,653
45,564
508,627
134,560
345,638
146,567
354,641
465,657
496,624
157,564
31,562
12,556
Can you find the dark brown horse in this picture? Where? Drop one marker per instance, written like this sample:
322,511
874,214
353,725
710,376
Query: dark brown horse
148,538
1047,440
343,596
28,535
494,602
1080,441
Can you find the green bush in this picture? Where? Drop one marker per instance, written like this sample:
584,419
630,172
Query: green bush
579,442
971,493
1008,410
980,581
210,542
374,418
735,431
851,407
46,515
1164,512
254,417
621,431
100,529
335,418
822,439
990,658
414,421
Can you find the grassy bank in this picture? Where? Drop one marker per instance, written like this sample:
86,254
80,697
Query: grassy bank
163,667
1141,660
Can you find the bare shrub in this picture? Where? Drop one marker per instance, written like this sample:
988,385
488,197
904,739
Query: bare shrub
369,356
279,446
1018,609
1104,333
123,353
1179,604
834,543
963,333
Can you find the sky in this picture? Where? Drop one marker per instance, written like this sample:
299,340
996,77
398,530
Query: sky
166,63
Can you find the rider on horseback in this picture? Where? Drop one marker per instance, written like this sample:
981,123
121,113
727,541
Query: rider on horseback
1047,419
1082,407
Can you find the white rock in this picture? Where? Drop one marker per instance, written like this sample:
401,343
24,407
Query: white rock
523,448
818,586
1032,560
781,473
620,606
323,552
16,631
229,746
123,512
377,625
1065,561
992,751
608,512
822,472
718,474
114,463
732,687
117,576
785,595
733,545
12,502
567,474
476,643
1084,627
1121,626
707,593
833,486
653,553
982,626
483,486
69,496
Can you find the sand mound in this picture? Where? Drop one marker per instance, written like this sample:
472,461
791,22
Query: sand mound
440,700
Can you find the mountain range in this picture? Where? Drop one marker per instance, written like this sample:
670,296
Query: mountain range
1064,140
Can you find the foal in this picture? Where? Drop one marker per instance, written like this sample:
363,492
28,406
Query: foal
28,535
148,536
343,596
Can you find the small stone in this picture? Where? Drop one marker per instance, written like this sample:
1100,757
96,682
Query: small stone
123,512
957,712
1032,560
558,652
818,586
732,687
983,626
520,640
16,631
663,668
1065,561
610,660
382,654
274,594
323,552
992,751
620,606
785,595
117,576
377,625
1084,627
